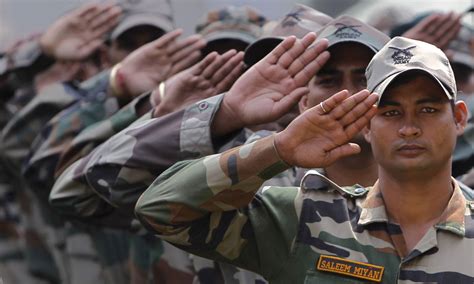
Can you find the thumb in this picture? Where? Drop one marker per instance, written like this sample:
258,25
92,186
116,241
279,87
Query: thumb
283,106
343,151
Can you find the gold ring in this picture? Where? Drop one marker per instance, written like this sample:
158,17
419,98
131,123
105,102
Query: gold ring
322,107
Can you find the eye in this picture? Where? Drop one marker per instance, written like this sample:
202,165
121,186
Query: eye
428,110
326,81
390,113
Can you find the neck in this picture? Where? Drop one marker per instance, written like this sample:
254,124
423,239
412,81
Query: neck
416,199
357,169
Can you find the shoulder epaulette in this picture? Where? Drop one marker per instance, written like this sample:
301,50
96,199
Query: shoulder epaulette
325,183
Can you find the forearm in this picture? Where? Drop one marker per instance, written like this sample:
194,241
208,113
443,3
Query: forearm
191,189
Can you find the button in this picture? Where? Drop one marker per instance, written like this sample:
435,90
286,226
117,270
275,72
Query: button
359,190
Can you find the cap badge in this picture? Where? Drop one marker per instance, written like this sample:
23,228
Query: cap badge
292,18
345,31
402,55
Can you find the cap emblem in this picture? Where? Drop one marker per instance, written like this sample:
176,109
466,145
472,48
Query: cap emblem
402,55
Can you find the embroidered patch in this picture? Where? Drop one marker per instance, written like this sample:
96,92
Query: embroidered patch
345,31
402,55
352,268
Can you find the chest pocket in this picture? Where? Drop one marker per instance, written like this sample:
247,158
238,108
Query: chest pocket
314,276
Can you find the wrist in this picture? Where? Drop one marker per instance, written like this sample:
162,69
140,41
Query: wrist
117,84
225,121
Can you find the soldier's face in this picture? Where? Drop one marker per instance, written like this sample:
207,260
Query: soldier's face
345,69
414,131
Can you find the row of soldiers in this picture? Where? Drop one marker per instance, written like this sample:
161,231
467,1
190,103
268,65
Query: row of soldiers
109,97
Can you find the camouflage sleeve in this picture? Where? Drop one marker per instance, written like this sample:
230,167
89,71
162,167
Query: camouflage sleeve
122,168
20,132
209,208
96,134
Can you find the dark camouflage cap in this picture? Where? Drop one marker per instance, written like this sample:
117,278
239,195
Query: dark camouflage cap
298,22
349,29
402,54
156,13
240,23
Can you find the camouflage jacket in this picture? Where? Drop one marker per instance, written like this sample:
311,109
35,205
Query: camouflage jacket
122,168
209,207
463,156
20,132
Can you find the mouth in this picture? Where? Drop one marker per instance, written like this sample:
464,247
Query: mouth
411,150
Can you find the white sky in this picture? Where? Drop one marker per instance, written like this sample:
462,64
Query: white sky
22,17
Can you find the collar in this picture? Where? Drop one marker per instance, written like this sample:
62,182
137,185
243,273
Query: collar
452,218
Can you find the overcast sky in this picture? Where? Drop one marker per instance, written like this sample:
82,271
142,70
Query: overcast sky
21,17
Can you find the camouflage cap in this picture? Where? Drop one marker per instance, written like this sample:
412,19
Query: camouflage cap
298,22
157,13
240,23
349,29
402,54
460,47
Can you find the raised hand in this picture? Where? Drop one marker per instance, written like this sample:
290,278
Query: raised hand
157,61
78,34
437,29
273,86
212,75
321,134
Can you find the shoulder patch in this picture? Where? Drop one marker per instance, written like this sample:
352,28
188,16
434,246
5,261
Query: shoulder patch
314,180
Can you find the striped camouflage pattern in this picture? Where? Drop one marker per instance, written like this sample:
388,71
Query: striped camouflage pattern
463,156
129,162
209,207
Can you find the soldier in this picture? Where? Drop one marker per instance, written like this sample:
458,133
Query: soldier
407,227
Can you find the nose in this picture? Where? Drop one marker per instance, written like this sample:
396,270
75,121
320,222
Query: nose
409,128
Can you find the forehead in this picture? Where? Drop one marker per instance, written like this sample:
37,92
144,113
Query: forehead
348,55
413,86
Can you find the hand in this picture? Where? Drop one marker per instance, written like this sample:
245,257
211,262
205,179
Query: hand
320,135
60,71
157,61
273,86
437,29
211,76
78,34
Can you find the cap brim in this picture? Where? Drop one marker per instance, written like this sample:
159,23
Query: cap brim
364,43
259,49
247,38
380,88
140,20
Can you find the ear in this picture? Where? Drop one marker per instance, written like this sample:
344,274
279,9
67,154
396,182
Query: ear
104,57
367,133
460,116
303,103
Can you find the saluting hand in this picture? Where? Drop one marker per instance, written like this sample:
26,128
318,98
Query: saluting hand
78,34
321,134
273,86
158,60
209,77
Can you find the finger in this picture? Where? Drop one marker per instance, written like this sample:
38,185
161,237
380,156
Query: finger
201,65
226,83
348,104
178,45
227,68
424,25
277,52
332,102
437,20
450,32
307,57
342,151
167,38
86,12
286,104
105,17
176,54
296,50
352,129
359,110
88,48
311,69
186,63
213,72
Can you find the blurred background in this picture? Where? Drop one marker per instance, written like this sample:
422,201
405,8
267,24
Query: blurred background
22,17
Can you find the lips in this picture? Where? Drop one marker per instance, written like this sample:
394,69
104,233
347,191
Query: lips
411,149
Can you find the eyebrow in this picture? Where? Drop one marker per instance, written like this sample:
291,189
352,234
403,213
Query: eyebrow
384,103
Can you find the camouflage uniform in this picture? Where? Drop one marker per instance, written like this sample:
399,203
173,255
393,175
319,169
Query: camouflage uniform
325,234
125,165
